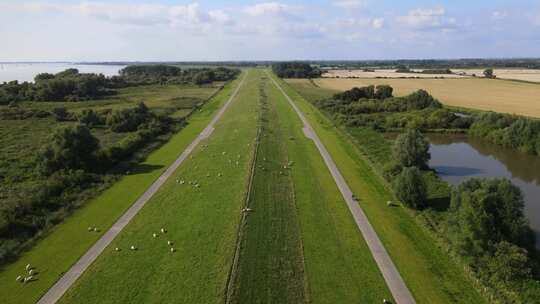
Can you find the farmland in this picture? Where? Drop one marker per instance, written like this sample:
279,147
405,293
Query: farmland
67,242
483,94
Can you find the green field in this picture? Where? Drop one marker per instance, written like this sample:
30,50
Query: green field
427,270
270,267
201,222
61,248
338,263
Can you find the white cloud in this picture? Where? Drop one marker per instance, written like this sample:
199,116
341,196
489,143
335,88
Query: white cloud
268,8
426,18
349,4
499,15
377,23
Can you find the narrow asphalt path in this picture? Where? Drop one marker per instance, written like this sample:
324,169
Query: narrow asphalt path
393,279
62,285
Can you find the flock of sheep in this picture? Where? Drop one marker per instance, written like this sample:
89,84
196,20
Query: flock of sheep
30,271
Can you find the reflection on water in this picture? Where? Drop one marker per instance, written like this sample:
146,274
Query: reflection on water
456,158
27,71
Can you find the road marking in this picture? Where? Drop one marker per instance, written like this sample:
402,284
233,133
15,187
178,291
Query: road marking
391,275
61,286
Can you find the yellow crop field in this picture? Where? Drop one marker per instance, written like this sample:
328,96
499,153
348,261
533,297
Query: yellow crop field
483,94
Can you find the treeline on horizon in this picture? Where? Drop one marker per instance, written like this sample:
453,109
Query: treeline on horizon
295,70
484,222
70,85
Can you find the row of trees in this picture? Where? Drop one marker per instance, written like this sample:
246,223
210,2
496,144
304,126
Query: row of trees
70,85
295,70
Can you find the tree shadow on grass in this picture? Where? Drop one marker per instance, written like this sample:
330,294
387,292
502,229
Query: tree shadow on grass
143,168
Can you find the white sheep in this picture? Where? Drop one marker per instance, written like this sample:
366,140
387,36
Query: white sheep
154,235
19,278
28,267
31,271
95,229
90,229
163,230
117,249
172,250
169,243
133,247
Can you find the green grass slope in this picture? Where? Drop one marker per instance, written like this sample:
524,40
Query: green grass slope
338,264
270,267
202,223
427,270
63,246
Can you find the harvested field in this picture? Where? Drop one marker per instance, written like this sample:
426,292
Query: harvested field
383,73
483,94
531,75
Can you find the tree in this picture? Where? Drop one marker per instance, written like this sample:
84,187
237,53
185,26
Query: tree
509,264
384,91
73,147
411,149
410,188
90,118
486,212
61,114
488,73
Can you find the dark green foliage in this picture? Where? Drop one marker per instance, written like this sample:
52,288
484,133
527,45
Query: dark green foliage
91,118
295,70
356,94
508,130
508,264
61,114
128,120
69,148
486,212
14,91
155,74
410,188
437,71
384,91
488,73
412,149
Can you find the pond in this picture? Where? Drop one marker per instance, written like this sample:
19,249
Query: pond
27,71
457,158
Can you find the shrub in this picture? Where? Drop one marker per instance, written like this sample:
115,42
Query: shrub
411,149
410,188
71,147
91,118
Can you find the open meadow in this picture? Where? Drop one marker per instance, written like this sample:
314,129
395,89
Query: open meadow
70,239
483,94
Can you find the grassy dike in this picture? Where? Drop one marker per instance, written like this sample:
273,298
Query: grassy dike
68,241
202,223
270,263
427,270
338,264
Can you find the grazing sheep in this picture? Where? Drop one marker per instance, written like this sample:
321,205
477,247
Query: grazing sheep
177,181
182,182
172,250
169,243
223,153
389,203
31,271
163,230
28,267
133,247
219,174
116,249
19,278
90,229
154,235
95,229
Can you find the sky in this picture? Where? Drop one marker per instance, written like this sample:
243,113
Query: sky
219,30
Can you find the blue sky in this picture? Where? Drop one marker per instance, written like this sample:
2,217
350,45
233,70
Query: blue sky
267,30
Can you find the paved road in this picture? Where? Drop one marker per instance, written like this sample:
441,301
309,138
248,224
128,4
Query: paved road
393,279
56,292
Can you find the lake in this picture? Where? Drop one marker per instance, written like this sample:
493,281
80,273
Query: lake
27,71
457,158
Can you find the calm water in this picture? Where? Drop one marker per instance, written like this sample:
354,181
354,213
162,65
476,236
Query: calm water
27,71
457,158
